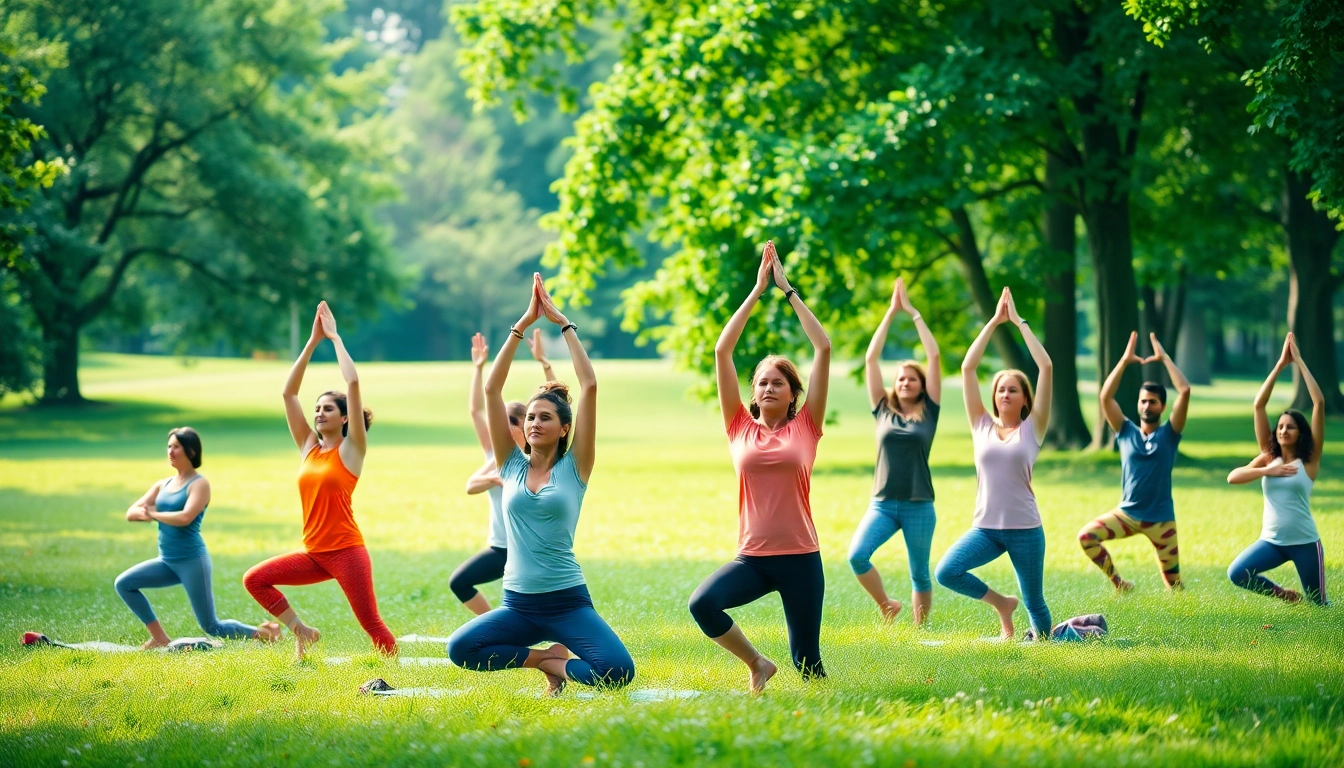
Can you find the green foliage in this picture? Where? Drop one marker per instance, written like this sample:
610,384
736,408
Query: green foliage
1295,81
215,160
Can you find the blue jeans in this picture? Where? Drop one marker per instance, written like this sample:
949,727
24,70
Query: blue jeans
194,575
915,519
500,639
1309,559
1025,547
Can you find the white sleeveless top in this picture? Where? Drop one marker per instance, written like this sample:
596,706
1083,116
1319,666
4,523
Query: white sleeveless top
1288,519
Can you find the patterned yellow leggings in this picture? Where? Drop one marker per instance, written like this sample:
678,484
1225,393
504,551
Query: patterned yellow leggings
1117,525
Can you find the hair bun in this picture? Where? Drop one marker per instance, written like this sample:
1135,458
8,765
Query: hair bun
555,387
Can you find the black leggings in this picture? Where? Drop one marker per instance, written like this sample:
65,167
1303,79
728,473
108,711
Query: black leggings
481,568
801,585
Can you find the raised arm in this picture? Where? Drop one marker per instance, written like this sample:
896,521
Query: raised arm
1181,407
872,359
538,350
476,397
484,479
356,442
583,438
933,358
725,371
970,381
819,381
198,498
1110,407
295,416
496,416
1262,427
1317,407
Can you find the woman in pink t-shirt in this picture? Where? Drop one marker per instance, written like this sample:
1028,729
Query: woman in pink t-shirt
773,447
1006,447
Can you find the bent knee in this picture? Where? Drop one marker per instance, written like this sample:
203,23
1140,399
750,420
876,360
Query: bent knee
253,580
459,650
860,562
946,574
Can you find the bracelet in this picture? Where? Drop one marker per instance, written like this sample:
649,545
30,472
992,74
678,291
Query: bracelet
916,316
790,293
1021,322
514,330
564,328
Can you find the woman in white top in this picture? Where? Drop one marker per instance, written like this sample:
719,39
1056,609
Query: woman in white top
1290,458
1006,446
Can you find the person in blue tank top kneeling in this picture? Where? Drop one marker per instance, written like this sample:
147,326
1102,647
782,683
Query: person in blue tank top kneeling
545,594
1289,460
178,505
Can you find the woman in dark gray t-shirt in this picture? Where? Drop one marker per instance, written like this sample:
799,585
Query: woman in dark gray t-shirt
907,417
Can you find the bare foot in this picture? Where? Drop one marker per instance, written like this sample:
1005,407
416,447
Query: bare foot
268,632
762,669
1005,609
305,636
555,684
1122,586
152,643
890,610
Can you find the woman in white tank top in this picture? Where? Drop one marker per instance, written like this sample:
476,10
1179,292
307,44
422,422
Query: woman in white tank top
1289,460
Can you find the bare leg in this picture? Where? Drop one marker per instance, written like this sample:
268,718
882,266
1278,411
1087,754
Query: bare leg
157,637
922,603
478,604
871,581
267,632
1005,605
551,661
304,635
736,643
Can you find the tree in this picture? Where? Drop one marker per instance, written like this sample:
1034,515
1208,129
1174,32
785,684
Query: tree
207,141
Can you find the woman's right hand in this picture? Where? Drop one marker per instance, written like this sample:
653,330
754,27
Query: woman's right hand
1286,356
1004,311
763,272
533,306
317,333
1281,470
479,351
137,515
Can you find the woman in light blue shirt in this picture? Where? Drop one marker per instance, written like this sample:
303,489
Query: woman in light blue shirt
1289,460
545,595
178,505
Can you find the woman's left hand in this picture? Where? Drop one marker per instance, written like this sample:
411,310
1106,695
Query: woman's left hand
328,321
777,267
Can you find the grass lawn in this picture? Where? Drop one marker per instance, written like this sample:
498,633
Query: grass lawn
1213,675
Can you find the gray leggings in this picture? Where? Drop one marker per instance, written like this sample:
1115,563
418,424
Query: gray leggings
194,575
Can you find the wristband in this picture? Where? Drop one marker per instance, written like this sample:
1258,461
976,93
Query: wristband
916,316
564,328
1021,322
790,293
514,330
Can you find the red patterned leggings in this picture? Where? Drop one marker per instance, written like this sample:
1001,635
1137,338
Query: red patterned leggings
1117,525
350,568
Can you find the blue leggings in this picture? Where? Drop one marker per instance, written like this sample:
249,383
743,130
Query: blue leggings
194,575
500,639
1309,559
885,517
1025,547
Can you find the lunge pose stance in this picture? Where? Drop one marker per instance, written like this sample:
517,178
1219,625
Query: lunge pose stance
545,595
907,418
773,447
1147,453
332,457
1289,460
488,564
178,505
1006,447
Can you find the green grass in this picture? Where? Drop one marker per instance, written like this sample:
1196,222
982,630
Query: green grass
1211,676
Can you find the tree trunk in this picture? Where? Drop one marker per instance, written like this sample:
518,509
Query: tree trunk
60,362
987,299
1192,355
1311,290
1067,427
1112,251
1163,311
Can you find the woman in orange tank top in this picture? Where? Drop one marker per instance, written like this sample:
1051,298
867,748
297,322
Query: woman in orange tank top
332,452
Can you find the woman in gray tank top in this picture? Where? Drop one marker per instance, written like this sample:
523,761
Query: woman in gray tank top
1289,460
907,418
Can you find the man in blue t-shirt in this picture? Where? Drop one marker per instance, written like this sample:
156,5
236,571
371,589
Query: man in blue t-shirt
1147,453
